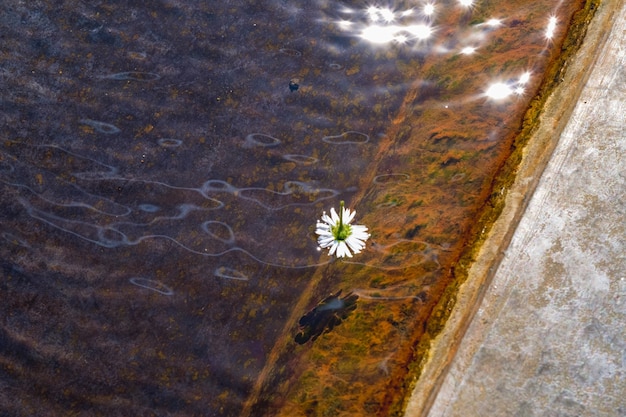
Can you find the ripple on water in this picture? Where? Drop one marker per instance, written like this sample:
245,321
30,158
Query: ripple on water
132,76
220,231
217,186
300,159
458,177
169,142
346,138
110,237
101,127
260,140
149,208
390,178
152,285
229,273
290,52
335,66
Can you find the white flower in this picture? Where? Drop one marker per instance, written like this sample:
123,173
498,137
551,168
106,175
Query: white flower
336,232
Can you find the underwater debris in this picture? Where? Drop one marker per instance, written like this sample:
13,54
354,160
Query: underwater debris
328,313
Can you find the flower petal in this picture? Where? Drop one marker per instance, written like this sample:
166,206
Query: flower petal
343,250
322,229
355,244
326,235
360,232
325,242
333,248
348,216
334,216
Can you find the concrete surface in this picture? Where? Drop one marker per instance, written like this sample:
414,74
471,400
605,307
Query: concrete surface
549,337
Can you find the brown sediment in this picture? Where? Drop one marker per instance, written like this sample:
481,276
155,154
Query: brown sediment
361,367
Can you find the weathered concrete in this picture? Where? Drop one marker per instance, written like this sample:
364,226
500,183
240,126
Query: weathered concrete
549,338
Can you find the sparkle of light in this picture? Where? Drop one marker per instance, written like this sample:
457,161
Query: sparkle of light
494,22
347,10
498,91
378,14
551,27
420,31
466,3
344,24
384,34
524,78
429,9
372,12
468,50
387,15
379,34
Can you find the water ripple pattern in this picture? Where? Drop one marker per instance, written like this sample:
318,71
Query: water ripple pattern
163,165
152,285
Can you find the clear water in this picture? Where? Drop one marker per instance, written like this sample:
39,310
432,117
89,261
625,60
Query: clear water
163,165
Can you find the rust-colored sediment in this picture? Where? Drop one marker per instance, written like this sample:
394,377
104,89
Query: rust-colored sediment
436,199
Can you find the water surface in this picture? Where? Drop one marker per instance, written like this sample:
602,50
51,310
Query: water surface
163,165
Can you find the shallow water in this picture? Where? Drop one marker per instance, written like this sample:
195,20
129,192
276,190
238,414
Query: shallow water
163,165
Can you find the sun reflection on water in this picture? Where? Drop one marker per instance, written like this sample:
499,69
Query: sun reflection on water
429,9
432,28
493,22
501,90
552,21
468,50
383,25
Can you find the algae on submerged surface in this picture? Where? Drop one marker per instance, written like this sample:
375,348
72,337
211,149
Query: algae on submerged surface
449,176
161,177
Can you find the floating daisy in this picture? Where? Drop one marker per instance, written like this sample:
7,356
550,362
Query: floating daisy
336,232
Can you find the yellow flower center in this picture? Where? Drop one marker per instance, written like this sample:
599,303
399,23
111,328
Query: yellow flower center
341,231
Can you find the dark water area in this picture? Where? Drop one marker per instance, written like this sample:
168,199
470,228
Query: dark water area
162,167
